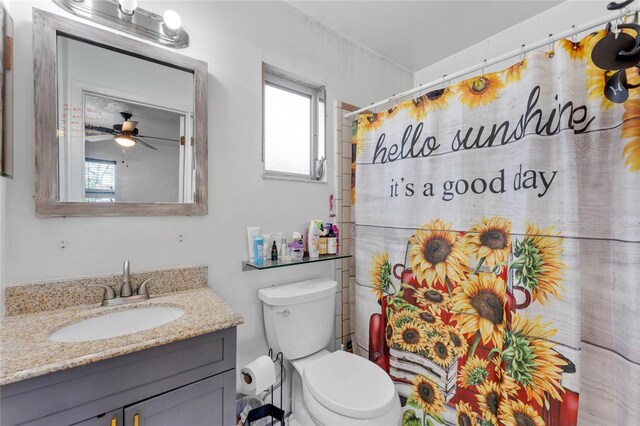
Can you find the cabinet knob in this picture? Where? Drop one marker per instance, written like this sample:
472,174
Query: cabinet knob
136,419
114,422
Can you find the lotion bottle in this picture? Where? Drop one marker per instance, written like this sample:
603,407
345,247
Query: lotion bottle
314,240
258,249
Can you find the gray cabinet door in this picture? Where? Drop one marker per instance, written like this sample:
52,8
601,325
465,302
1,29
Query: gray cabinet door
208,402
113,418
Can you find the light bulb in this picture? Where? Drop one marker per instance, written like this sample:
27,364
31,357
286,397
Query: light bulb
125,140
128,6
172,20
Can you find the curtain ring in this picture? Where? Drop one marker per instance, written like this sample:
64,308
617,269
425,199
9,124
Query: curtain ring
523,54
420,92
392,99
551,52
484,64
573,35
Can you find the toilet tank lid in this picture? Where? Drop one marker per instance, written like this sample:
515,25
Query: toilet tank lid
300,292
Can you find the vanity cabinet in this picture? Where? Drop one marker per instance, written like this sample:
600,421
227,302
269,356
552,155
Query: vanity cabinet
200,403
190,382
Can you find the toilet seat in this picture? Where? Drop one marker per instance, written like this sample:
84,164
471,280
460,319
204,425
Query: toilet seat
350,385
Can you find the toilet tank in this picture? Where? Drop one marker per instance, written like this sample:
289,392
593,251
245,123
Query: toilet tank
299,317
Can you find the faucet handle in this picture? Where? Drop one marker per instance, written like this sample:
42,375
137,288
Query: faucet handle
108,291
142,289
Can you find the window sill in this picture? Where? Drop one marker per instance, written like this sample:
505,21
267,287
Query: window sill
292,178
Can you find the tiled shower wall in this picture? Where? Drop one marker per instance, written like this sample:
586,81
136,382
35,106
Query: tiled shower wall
345,269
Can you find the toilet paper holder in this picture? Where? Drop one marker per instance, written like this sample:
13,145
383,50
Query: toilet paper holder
270,410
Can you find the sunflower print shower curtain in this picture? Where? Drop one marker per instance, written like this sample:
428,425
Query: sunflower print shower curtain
498,246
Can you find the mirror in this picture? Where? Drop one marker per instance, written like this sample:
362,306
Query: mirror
121,129
124,127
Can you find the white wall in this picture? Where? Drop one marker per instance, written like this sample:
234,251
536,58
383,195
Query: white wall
552,21
234,38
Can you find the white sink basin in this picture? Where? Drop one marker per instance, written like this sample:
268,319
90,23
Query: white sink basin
117,324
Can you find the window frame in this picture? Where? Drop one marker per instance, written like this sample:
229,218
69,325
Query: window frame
99,193
274,77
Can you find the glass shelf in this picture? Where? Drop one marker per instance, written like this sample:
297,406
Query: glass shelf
268,264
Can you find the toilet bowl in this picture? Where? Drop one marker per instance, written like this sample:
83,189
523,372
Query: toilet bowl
341,388
328,388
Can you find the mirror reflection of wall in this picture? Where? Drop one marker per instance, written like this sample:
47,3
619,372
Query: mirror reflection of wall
145,172
125,127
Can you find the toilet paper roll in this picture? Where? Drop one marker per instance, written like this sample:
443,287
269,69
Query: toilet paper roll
258,375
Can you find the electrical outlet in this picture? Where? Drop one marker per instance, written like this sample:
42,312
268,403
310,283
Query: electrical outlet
180,238
63,245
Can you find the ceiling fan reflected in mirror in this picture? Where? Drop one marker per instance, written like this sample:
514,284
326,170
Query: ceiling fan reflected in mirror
125,134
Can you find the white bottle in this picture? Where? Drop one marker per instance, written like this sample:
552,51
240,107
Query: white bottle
314,240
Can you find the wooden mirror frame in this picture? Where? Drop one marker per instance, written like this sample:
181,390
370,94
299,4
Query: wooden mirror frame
46,27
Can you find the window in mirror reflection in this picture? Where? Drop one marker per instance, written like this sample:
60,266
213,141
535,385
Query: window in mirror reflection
99,180
128,118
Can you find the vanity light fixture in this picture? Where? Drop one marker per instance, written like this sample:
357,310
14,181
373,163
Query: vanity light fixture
126,16
125,140
171,22
128,7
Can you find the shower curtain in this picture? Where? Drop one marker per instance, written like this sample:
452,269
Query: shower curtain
498,246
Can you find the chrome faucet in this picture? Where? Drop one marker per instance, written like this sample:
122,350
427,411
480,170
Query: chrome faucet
126,292
125,289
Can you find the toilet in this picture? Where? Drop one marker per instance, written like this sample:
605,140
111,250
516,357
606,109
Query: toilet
330,389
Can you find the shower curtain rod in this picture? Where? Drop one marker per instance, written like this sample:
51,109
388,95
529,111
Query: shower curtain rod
575,29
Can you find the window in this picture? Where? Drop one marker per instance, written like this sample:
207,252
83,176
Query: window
293,125
99,180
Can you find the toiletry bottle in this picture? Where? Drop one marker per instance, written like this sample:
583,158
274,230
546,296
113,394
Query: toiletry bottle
252,232
274,252
337,232
265,247
258,249
297,246
332,242
332,210
314,240
286,251
323,243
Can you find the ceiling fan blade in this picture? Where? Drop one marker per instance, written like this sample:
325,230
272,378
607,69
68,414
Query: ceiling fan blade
156,137
128,126
100,129
98,138
146,144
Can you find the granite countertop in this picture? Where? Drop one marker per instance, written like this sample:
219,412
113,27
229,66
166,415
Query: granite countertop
27,352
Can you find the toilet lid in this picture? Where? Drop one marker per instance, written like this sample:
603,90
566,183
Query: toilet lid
350,385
